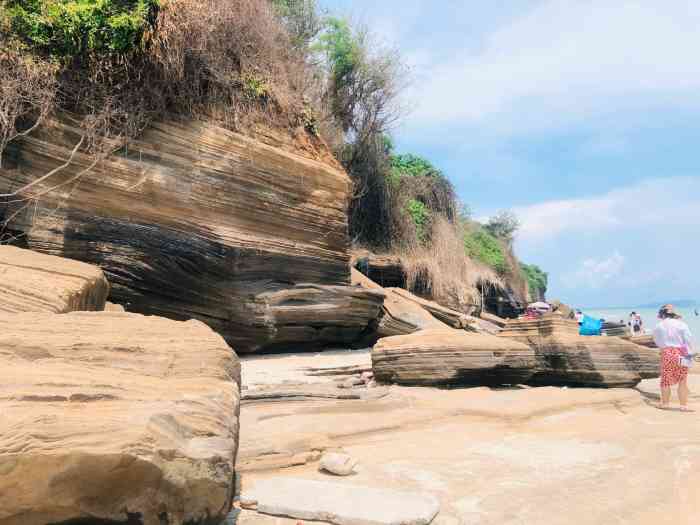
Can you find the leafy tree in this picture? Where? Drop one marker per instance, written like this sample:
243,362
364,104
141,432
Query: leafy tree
503,225
364,81
301,18
536,280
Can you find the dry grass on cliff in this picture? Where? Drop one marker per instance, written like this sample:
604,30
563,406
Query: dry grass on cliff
228,61
443,271
231,60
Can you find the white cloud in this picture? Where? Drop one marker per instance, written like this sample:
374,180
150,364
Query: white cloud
565,61
668,202
597,273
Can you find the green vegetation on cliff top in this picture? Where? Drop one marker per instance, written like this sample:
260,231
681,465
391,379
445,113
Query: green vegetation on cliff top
536,280
479,244
253,57
68,28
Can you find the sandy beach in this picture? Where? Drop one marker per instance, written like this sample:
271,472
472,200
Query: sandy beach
491,456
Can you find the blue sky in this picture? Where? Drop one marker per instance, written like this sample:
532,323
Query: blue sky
581,116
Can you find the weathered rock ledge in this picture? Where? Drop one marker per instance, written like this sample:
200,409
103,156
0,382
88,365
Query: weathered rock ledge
35,282
451,357
115,416
567,359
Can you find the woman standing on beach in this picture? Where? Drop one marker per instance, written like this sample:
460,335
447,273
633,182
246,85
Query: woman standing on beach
673,337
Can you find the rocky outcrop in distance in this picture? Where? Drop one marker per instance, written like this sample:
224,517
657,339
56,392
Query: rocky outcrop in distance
451,358
35,282
194,221
565,358
115,417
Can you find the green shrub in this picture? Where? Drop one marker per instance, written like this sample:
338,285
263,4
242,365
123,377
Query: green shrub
536,279
409,165
420,215
255,87
69,28
484,247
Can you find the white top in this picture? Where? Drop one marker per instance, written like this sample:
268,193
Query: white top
673,333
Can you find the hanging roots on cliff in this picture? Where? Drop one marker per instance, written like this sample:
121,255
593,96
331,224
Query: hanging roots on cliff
443,271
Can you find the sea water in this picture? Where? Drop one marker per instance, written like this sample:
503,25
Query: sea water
649,317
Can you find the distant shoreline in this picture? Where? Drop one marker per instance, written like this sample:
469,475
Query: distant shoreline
677,304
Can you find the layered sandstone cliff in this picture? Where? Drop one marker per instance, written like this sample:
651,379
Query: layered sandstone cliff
194,221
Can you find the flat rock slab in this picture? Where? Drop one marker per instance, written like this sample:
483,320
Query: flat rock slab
451,358
106,415
340,503
36,282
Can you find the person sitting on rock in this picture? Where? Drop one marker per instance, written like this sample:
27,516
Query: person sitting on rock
674,339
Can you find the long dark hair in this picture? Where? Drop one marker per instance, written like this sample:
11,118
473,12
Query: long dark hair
666,312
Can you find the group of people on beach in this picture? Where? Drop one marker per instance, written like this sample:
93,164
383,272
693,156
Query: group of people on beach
672,336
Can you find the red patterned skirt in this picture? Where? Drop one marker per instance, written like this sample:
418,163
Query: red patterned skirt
672,372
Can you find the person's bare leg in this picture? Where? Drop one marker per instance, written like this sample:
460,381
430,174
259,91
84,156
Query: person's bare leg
665,396
683,393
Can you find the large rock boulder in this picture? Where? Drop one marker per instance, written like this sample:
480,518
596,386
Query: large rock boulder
109,417
451,357
35,282
194,221
566,358
448,316
574,360
315,315
399,315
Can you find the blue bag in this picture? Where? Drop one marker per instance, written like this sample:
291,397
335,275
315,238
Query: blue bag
590,326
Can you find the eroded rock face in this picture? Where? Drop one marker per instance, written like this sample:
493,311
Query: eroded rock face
385,270
106,415
451,358
314,315
566,358
193,221
35,282
399,315
446,315
593,362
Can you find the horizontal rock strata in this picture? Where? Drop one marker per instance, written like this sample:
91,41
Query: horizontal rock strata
531,330
575,360
314,315
191,221
566,358
35,282
451,358
115,416
643,340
